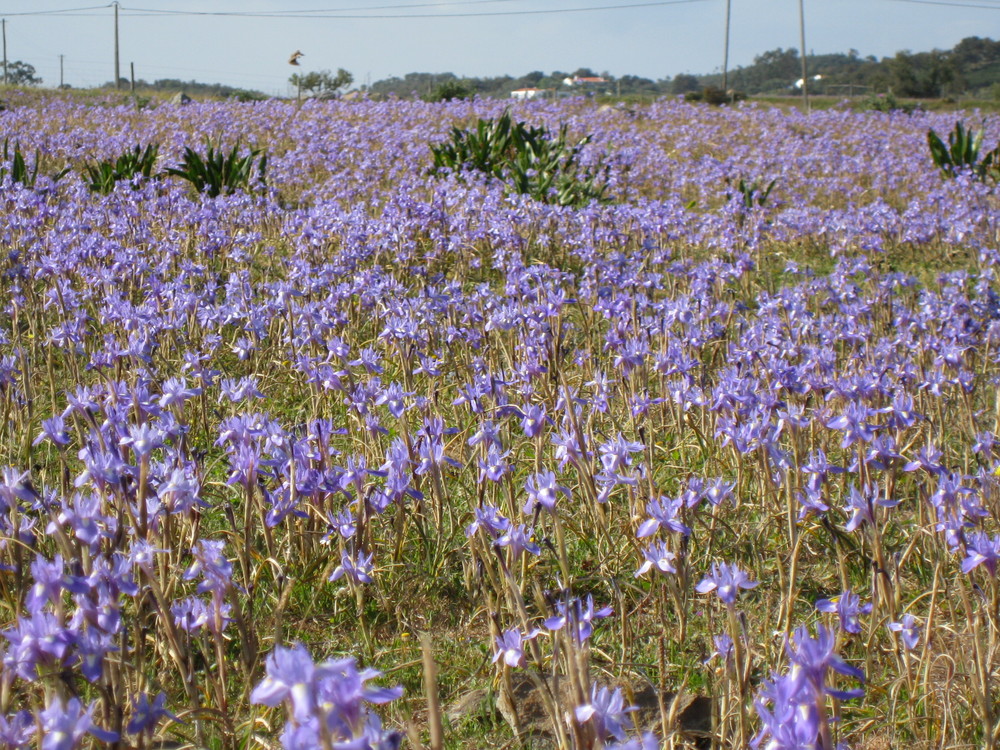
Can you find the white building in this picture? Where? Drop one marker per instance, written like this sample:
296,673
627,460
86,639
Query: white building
527,93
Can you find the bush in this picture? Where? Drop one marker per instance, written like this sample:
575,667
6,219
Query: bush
103,176
530,160
715,96
16,166
452,90
962,153
886,103
219,173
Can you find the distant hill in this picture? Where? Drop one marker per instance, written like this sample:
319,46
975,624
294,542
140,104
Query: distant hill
192,88
972,67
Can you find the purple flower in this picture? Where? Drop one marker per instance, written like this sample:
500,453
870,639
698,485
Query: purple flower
663,514
657,556
239,390
16,485
580,613
818,468
908,631
394,398
328,696
358,571
793,723
343,524
143,439
510,646
518,538
534,420
180,492
616,455
290,675
862,506
146,715
981,550
488,518
607,711
176,392
38,641
54,429
50,581
812,657
494,467
191,614
724,650
853,423
212,565
543,490
65,724
811,500
929,459
796,719
648,741
726,579
848,607
16,732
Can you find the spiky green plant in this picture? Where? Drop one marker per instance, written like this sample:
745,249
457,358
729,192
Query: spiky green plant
102,176
217,172
529,159
16,166
962,153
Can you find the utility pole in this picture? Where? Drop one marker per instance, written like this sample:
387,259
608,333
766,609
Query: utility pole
118,79
802,41
725,54
5,52
61,71
132,68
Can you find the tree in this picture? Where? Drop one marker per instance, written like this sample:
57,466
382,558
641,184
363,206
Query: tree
452,89
322,82
21,74
925,74
683,83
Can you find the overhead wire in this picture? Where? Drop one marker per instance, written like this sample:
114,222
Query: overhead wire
153,12
56,11
946,4
305,13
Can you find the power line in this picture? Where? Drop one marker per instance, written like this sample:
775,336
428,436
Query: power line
154,12
56,12
311,11
947,4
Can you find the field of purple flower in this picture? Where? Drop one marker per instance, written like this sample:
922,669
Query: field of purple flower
702,442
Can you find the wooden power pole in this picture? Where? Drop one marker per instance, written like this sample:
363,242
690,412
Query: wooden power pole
725,53
802,40
61,81
118,78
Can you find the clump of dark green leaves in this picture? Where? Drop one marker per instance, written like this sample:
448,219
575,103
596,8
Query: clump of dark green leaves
529,159
754,192
102,176
16,166
963,153
886,103
218,172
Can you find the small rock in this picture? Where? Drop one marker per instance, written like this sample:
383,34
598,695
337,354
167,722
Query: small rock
180,98
528,718
467,704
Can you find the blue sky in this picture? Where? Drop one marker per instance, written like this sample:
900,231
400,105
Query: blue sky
652,40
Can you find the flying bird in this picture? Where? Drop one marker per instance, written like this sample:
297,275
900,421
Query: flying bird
294,59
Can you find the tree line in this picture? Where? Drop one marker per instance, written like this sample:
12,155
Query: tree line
971,67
